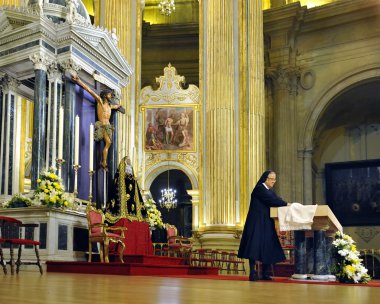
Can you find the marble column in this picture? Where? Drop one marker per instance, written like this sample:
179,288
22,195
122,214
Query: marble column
309,252
70,68
300,255
321,269
41,62
307,177
54,103
9,151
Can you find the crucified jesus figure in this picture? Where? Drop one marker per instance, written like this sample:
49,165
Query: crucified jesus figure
104,106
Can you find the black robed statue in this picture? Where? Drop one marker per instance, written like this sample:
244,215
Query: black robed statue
125,199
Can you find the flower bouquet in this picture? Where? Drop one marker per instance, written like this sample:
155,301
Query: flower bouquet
153,214
50,191
17,201
348,267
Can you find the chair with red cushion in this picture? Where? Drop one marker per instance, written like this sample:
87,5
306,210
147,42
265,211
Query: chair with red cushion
20,242
11,234
100,233
177,245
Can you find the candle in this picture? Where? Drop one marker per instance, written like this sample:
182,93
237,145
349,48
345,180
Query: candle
76,141
60,134
91,164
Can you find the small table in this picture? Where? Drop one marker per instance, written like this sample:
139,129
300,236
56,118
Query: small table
317,253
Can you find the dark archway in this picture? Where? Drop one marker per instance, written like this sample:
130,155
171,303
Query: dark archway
181,216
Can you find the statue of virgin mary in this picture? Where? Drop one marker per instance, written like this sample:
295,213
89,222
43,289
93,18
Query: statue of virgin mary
125,199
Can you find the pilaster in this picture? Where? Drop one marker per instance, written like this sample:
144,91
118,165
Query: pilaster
285,81
9,151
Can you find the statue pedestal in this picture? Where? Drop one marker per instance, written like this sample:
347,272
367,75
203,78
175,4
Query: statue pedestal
137,237
63,233
324,226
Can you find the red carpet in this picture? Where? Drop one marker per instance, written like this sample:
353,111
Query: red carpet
134,265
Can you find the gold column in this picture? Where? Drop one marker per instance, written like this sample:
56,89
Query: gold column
220,120
256,96
232,82
251,101
126,17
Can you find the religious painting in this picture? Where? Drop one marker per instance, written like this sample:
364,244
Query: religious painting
353,192
169,128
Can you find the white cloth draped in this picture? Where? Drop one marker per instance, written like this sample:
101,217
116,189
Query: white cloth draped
296,217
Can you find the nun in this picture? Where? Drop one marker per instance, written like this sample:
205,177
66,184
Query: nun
259,241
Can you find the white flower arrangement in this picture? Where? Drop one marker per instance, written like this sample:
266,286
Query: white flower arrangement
348,267
153,214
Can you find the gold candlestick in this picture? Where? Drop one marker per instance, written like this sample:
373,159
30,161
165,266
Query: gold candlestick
91,174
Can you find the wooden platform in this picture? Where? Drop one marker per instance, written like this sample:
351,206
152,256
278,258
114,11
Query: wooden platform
134,265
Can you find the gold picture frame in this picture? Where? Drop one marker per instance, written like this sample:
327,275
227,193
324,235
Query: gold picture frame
169,128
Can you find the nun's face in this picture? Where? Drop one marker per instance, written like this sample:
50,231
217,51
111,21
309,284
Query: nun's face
271,180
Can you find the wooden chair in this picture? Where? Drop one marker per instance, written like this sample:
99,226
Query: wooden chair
11,235
177,245
2,261
99,232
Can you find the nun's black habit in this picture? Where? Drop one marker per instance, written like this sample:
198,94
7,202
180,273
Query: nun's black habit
259,240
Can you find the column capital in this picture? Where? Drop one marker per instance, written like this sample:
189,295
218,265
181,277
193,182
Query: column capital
70,66
41,61
8,83
286,77
55,72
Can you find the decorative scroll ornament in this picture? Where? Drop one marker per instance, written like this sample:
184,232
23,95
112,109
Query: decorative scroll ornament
170,90
152,159
189,159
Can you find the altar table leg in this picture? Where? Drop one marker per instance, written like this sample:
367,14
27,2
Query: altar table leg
321,264
300,255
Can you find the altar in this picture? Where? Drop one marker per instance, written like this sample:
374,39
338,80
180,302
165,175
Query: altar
313,247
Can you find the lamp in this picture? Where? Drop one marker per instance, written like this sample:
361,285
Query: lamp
166,7
168,199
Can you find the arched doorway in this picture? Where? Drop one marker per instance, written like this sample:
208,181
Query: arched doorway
181,216
347,130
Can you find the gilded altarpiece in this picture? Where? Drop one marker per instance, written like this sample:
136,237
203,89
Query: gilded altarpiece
168,132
